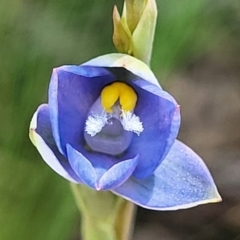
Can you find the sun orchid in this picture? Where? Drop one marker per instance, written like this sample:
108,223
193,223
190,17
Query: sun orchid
109,125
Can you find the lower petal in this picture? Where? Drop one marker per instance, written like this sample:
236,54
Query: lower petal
118,174
102,176
82,167
181,181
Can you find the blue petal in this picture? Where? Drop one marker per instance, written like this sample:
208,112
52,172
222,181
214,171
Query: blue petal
117,174
160,116
82,167
104,176
181,181
72,91
42,138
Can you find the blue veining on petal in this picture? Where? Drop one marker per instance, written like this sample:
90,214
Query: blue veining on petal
47,146
181,181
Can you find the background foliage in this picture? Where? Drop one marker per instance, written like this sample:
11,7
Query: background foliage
37,35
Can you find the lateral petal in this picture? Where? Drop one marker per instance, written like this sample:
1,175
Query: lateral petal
41,136
181,181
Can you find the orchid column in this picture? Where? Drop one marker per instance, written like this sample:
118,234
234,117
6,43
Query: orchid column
110,129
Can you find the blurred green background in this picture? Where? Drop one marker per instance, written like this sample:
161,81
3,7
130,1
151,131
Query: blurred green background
37,35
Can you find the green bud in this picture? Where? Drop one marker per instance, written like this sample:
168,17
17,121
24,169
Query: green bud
134,31
132,12
121,34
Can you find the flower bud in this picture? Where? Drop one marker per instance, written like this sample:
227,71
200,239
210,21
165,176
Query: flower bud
134,31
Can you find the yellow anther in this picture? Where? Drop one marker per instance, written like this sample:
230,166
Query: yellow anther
118,90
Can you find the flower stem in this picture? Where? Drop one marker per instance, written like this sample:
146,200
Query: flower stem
103,214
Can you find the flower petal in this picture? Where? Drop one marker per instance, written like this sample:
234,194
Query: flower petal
41,137
72,91
160,116
82,167
181,181
117,174
128,62
109,176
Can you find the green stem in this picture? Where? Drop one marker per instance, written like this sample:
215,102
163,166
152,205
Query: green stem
103,214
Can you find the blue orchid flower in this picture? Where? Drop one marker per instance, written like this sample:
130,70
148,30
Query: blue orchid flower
109,125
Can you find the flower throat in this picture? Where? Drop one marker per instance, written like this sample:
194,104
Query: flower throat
111,121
